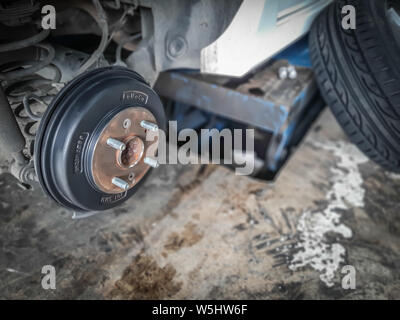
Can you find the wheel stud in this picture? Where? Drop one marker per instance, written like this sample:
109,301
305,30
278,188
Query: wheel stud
148,125
292,72
151,162
120,183
116,144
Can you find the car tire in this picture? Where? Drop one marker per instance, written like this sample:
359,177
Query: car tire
358,73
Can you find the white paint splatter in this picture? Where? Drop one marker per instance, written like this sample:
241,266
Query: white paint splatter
15,271
394,176
313,226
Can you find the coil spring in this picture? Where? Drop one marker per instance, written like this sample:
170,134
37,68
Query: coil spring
22,83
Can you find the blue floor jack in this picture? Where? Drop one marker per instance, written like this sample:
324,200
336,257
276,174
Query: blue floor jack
279,100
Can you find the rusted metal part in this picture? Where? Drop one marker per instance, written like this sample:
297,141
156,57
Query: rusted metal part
132,154
126,164
264,101
222,101
294,95
267,85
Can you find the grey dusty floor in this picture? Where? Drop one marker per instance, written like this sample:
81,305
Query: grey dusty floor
202,232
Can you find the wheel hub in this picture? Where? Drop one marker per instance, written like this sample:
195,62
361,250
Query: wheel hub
98,139
126,163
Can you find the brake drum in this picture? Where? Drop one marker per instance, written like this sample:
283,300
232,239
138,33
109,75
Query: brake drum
98,139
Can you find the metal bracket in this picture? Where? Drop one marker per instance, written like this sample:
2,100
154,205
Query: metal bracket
264,101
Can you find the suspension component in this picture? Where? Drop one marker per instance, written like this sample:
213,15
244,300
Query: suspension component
80,156
19,63
11,138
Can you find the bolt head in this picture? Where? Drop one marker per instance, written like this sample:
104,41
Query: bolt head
177,47
293,75
292,72
283,73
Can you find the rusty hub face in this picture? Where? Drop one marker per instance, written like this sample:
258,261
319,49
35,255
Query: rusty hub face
126,164
132,154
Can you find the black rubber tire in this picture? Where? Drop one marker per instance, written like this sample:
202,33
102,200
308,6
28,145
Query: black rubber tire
358,73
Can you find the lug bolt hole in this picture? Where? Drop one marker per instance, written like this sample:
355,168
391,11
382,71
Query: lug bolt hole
127,123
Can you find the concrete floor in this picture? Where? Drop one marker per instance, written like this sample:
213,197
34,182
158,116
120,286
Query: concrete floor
201,232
